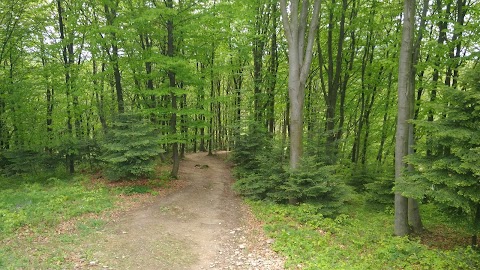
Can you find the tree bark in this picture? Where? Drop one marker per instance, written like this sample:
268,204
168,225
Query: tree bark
299,61
212,95
173,96
272,72
67,54
334,71
404,104
111,14
414,217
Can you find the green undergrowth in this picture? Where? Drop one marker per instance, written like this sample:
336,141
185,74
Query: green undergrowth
44,204
32,208
359,239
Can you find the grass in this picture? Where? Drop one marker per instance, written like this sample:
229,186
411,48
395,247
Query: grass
32,208
359,239
43,204
44,218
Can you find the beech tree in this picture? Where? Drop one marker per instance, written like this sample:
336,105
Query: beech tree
300,38
405,98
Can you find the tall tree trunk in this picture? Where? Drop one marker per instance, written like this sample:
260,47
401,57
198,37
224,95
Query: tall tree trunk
201,107
50,102
212,95
111,15
99,97
67,54
414,217
300,47
334,72
347,74
173,96
262,18
184,127
461,13
146,44
237,75
219,127
405,94
385,119
272,71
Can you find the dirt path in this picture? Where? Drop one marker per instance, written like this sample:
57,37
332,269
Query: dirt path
202,226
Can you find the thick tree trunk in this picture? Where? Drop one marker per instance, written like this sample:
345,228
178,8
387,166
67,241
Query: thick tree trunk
300,46
296,120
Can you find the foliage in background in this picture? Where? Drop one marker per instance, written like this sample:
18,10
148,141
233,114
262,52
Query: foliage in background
249,146
380,190
21,161
131,147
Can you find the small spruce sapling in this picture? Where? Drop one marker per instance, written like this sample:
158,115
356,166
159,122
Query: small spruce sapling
447,170
131,147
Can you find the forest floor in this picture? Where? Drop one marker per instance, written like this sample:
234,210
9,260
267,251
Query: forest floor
201,225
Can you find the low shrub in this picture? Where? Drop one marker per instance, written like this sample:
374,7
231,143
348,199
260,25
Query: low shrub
313,182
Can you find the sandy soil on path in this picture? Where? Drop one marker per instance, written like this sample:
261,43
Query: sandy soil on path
202,226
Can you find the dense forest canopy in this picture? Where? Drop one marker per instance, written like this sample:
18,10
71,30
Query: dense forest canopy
208,75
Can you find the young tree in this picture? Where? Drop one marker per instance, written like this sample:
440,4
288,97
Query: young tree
300,47
447,168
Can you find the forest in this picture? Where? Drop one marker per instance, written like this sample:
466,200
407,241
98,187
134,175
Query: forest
341,115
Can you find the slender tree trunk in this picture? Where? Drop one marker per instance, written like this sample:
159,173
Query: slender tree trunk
272,71
98,88
50,102
183,128
212,95
173,96
414,217
201,107
262,21
385,121
334,72
146,44
237,84
476,226
111,15
67,54
405,99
